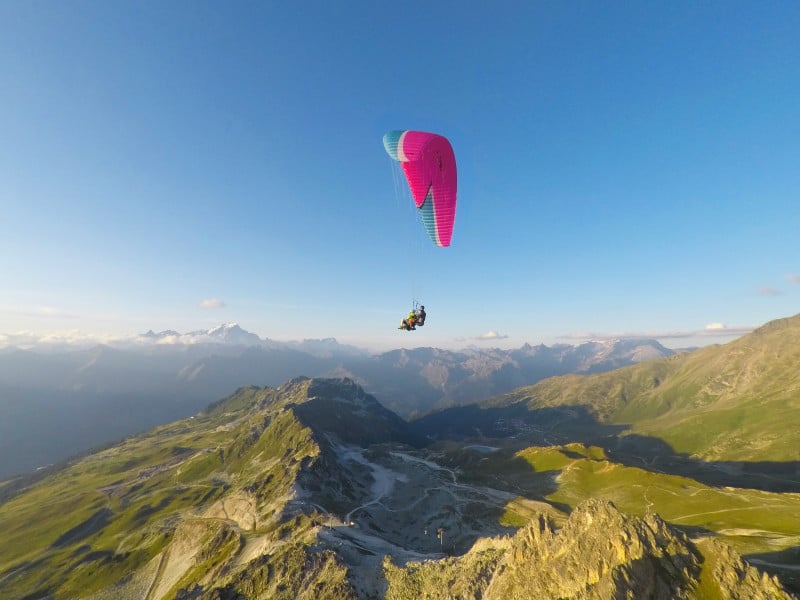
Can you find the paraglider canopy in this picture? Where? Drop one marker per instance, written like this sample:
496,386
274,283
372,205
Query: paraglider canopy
430,168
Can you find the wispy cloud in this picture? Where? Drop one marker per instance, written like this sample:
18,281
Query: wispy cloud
720,329
715,329
54,340
63,340
491,335
766,290
42,312
211,303
793,278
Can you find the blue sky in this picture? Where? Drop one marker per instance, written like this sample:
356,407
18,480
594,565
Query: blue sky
624,168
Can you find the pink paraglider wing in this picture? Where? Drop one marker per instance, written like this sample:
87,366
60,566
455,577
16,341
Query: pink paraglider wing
430,168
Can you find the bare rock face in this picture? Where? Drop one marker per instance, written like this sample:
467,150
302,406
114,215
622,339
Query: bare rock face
738,580
599,553
291,573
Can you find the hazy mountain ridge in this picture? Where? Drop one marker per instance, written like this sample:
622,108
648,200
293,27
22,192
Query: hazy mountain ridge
255,498
152,383
414,382
63,368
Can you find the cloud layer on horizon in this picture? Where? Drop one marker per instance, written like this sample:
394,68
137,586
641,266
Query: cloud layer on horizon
73,339
711,330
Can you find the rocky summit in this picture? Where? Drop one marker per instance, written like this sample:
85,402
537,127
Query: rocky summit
599,553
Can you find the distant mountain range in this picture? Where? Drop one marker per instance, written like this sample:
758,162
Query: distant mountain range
56,402
418,381
226,334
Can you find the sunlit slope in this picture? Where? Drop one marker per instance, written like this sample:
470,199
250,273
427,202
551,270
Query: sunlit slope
172,509
597,553
751,520
739,401
761,526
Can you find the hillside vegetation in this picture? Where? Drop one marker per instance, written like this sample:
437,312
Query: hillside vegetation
740,401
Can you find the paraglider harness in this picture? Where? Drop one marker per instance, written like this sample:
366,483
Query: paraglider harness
420,315
416,318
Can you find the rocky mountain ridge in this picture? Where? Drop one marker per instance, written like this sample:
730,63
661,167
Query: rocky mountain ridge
315,490
598,553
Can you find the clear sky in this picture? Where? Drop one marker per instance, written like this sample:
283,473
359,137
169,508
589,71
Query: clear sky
624,168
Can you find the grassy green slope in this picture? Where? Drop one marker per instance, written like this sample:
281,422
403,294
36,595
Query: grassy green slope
698,438
755,523
739,401
109,514
726,512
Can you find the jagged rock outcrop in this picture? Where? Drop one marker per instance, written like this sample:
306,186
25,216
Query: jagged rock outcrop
599,553
292,573
736,579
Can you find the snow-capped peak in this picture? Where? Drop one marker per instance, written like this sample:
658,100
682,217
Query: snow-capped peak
227,333
225,329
